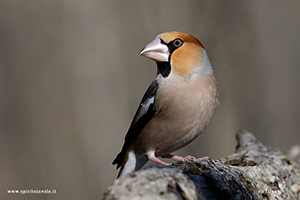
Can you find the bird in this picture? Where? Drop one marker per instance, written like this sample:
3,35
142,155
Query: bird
176,107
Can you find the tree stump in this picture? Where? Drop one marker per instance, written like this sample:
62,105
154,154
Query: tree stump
254,171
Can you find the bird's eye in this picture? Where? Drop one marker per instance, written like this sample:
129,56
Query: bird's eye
177,43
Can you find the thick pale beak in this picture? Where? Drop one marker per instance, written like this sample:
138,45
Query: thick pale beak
156,51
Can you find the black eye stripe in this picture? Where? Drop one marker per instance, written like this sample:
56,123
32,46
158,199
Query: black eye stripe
164,68
174,44
163,42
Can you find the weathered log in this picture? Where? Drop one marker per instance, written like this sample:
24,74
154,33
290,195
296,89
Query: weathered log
254,171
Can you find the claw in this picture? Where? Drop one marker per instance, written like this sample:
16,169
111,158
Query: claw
175,157
158,161
206,158
188,157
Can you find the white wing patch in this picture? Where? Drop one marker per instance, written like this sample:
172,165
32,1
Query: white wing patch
145,106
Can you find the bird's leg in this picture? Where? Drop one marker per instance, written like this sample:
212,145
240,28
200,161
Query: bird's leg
175,157
158,161
188,157
205,158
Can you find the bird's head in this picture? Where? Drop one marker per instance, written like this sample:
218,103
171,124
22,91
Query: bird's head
178,53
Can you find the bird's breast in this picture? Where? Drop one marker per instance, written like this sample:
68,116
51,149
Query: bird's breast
184,110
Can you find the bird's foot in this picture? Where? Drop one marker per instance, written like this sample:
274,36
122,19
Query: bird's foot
188,157
205,158
175,157
158,161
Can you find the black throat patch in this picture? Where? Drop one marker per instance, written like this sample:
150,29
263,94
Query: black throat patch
163,68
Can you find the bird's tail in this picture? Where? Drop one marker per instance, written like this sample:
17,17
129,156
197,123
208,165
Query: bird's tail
131,162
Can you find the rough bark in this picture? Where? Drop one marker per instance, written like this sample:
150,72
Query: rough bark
254,171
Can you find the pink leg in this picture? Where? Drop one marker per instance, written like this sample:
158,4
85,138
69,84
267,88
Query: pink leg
158,161
206,158
188,157
175,157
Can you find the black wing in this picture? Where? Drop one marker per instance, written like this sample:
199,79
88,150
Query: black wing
144,114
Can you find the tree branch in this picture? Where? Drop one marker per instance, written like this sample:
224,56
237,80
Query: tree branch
254,171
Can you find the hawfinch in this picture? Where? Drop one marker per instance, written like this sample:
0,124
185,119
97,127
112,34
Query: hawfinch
176,107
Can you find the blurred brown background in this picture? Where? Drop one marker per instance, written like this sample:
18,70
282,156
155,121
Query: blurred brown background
71,80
